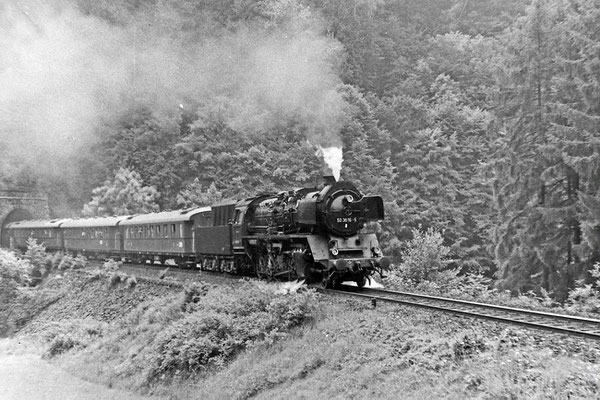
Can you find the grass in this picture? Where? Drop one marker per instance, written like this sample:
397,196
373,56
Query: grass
366,353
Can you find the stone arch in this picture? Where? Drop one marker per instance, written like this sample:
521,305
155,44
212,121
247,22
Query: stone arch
18,214
18,205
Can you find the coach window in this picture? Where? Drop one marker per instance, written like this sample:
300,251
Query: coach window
173,231
151,231
165,231
180,230
157,230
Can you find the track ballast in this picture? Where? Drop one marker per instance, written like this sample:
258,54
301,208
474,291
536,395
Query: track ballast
558,323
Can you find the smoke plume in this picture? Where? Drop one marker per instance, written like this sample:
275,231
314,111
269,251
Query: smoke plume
63,73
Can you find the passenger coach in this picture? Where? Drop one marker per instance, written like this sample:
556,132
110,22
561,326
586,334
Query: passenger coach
161,236
45,232
94,237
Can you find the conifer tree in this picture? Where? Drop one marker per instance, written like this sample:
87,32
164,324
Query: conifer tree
576,130
526,239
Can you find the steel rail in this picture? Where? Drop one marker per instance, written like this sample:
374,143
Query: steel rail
591,329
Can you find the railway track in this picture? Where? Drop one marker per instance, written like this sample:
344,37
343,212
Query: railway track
558,323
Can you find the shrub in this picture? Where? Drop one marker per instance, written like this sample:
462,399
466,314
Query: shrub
468,346
217,324
114,278
54,260
191,344
13,271
60,345
425,256
70,262
586,298
36,255
79,262
192,293
131,282
112,265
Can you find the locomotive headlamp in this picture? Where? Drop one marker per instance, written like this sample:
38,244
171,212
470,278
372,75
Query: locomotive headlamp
348,199
377,251
333,247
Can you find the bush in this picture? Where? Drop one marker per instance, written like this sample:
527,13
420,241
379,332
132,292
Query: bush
60,345
218,324
36,253
468,346
70,262
586,298
131,282
191,344
425,256
112,265
192,293
13,271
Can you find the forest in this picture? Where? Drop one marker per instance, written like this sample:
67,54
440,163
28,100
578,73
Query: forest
479,120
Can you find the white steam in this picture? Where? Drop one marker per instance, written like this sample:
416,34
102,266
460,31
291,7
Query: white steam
333,157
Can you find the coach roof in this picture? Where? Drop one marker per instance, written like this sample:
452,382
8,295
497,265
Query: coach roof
165,217
55,223
93,222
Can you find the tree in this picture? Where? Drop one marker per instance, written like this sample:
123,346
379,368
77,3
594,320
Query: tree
575,132
194,195
533,193
124,195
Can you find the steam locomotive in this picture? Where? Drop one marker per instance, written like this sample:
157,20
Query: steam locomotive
316,234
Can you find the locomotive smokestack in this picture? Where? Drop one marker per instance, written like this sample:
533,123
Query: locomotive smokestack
329,179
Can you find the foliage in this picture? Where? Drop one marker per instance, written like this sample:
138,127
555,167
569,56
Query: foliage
14,272
69,262
61,345
425,256
124,195
586,298
216,328
194,195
